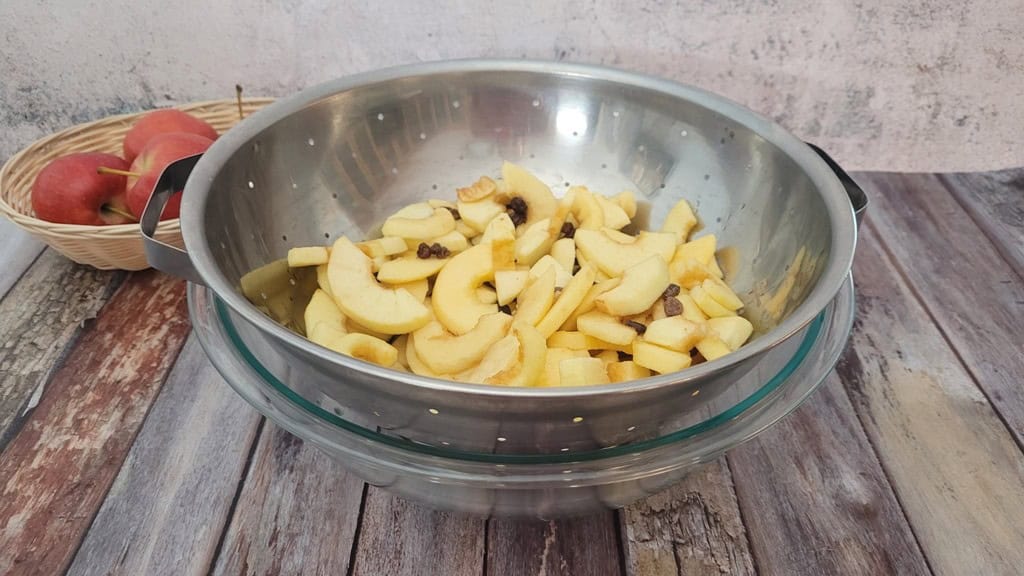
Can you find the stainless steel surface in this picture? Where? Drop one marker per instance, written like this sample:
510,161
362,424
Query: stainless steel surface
162,255
337,158
858,198
547,485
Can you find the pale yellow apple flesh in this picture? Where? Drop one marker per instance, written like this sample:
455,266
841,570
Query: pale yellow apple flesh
536,299
454,296
582,372
642,284
569,299
308,256
445,353
409,268
626,371
540,202
605,327
613,257
658,359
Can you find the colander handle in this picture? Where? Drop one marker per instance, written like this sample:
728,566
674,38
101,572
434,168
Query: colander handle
159,254
858,198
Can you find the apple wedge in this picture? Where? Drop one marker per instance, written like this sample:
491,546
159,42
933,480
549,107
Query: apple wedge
409,268
708,304
582,372
500,227
675,333
477,215
627,201
551,377
613,257
587,304
641,286
529,365
308,256
536,299
658,359
722,294
509,283
366,348
712,348
454,296
386,246
534,242
322,310
563,251
569,299
453,241
479,190
322,280
418,288
626,371
540,202
500,358
361,298
614,216
586,209
680,221
417,365
546,261
581,341
445,353
439,223
608,328
733,330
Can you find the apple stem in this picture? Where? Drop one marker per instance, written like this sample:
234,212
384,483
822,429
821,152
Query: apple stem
238,97
116,172
120,212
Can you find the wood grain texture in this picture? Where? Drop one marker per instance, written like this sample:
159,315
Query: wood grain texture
691,529
816,501
167,508
56,471
41,314
297,512
20,250
951,461
995,200
583,546
399,538
967,287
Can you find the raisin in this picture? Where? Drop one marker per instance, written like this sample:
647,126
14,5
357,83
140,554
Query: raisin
639,327
517,217
671,292
517,210
423,251
505,308
624,357
455,213
673,307
568,230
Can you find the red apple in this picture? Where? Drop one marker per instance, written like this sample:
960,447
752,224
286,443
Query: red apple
161,150
163,121
69,190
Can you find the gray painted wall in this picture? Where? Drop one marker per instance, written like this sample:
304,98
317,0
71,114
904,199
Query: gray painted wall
901,85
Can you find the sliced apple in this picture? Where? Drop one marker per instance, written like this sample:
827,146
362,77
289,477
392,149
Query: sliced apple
627,201
322,310
386,246
400,345
586,209
642,284
689,272
439,223
733,330
551,377
546,261
530,363
605,327
613,257
626,371
608,356
453,241
709,305
500,358
418,288
582,372
509,283
722,294
500,227
658,359
454,295
675,333
438,203
703,250
445,353
581,341
479,190
322,279
416,364
486,295
563,251
536,299
540,202
534,242
680,221
587,304
569,299
614,216
477,215
416,211
691,311
409,268
361,298
308,256
712,348
366,348
467,231
503,254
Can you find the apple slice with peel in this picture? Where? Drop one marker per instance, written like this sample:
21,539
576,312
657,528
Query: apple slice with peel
582,372
361,298
536,299
642,285
551,376
675,333
569,299
680,221
733,330
626,371
658,359
445,353
608,328
409,268
587,304
454,296
308,256
479,190
439,223
613,257
517,181
509,283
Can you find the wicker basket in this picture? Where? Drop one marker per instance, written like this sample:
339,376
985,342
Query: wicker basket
104,247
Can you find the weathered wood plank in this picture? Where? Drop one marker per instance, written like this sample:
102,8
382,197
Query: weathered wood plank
967,287
168,506
56,471
815,500
18,249
399,538
584,546
996,202
297,513
954,465
691,529
42,313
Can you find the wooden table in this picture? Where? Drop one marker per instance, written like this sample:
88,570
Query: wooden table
125,453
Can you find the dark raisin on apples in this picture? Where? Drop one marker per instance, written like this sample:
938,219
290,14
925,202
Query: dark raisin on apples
639,327
624,357
568,230
673,307
455,212
671,292
505,308
423,251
